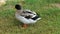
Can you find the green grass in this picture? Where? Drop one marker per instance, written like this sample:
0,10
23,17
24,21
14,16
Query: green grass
49,24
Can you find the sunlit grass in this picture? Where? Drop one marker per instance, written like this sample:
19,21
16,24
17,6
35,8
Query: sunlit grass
49,24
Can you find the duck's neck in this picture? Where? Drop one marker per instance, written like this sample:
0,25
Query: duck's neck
19,11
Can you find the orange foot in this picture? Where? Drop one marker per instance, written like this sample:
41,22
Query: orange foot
25,25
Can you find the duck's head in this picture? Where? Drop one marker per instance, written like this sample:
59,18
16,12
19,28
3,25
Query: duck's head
18,7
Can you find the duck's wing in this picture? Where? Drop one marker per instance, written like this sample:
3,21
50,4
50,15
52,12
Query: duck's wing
29,12
36,17
28,17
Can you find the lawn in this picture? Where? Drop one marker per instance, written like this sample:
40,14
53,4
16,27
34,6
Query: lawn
49,11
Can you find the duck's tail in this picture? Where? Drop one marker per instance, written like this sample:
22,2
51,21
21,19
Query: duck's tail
36,17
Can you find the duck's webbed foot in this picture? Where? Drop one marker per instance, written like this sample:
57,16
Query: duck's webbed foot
25,25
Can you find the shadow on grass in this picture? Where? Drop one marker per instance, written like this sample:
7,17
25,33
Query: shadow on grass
17,23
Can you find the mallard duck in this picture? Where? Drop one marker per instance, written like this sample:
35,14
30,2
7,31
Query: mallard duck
26,16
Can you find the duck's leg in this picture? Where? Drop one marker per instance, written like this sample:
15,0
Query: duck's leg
25,25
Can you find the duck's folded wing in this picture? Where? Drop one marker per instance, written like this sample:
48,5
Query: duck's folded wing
28,17
29,11
36,17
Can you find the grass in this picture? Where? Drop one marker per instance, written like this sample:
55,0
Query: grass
49,24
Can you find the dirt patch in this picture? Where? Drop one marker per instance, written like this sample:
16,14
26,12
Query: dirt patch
52,6
55,5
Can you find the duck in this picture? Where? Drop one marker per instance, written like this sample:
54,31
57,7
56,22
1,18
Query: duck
26,16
